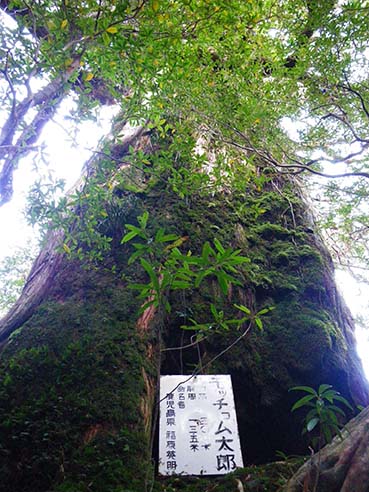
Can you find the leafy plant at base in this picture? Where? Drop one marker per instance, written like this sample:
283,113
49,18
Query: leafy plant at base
323,413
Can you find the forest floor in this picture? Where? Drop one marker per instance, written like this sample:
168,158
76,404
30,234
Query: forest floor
270,477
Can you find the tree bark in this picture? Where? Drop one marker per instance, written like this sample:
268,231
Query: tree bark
79,379
344,463
49,261
39,281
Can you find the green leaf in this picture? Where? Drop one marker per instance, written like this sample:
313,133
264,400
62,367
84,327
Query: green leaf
311,414
167,306
213,310
178,241
222,281
218,246
67,248
337,430
265,310
180,275
136,286
127,237
343,400
302,402
337,410
132,227
224,325
159,234
180,284
196,327
328,395
323,388
169,237
149,269
312,424
112,30
332,416
147,304
200,277
134,257
142,219
206,251
307,389
242,308
259,323
327,433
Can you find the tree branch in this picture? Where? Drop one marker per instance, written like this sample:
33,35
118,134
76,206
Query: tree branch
48,100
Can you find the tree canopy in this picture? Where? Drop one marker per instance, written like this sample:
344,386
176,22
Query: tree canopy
268,86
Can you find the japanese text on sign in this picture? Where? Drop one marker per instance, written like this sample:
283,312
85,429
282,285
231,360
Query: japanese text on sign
198,426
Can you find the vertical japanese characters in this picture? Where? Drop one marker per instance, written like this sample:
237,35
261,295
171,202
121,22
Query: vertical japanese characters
224,434
198,427
170,415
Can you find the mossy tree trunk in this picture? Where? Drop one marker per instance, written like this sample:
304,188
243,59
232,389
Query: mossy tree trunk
79,377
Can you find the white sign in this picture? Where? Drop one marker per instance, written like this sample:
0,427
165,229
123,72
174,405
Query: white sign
198,426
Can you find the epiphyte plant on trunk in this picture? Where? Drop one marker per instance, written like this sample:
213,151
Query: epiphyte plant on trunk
170,270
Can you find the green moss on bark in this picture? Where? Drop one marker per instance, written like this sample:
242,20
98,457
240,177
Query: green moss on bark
70,396
71,379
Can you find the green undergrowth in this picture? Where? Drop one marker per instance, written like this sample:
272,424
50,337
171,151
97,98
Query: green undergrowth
270,477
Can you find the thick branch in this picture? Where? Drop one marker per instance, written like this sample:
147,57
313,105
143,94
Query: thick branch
47,99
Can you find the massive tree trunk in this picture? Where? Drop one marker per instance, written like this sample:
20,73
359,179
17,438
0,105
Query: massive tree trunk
79,377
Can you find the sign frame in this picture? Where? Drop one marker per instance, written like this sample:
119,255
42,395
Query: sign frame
198,433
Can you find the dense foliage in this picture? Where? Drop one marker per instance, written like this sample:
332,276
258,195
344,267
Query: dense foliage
275,85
